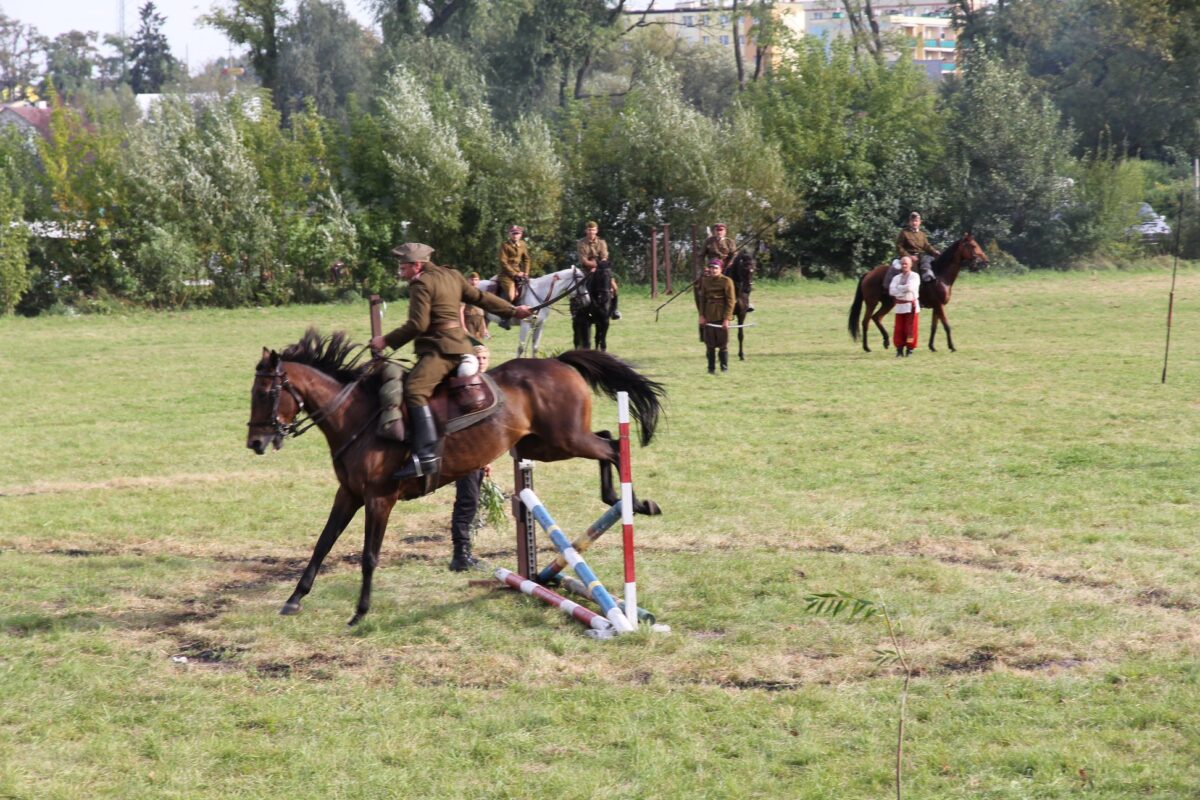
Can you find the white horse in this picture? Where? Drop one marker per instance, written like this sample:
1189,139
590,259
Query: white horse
544,291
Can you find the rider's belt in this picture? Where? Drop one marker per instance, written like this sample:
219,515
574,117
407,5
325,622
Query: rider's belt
446,325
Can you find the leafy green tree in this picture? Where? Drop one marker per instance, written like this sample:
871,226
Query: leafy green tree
14,250
861,144
152,64
255,24
1009,153
71,59
324,55
21,48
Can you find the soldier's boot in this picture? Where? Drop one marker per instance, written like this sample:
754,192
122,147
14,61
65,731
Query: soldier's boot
615,314
724,361
926,268
424,445
712,362
462,560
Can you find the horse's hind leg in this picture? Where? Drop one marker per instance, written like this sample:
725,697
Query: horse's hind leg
940,313
345,506
741,352
877,318
602,333
866,324
607,493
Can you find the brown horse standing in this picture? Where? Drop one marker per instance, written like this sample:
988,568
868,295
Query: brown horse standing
546,415
934,294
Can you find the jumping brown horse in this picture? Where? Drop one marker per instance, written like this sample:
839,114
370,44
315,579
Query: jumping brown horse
546,416
934,294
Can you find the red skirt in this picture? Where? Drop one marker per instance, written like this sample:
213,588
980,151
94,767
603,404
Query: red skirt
905,332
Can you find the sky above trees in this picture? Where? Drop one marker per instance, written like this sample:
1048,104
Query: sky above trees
190,41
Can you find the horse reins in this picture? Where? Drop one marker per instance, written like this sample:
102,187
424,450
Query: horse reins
298,426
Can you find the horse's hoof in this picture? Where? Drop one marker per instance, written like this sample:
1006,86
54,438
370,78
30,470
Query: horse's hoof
932,349
741,357
953,350
648,507
358,615
290,609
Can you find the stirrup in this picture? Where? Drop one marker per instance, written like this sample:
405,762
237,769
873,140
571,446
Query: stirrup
416,468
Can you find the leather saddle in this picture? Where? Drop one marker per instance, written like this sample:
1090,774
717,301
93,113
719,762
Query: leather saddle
459,403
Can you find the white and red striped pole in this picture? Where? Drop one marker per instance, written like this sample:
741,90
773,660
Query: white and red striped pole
627,510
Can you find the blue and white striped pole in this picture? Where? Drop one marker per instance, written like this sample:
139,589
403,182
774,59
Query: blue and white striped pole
598,592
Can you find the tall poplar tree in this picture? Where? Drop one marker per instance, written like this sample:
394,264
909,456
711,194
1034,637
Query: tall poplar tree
152,62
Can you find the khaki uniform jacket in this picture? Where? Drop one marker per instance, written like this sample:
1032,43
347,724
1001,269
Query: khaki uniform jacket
913,243
597,250
433,300
721,247
715,297
514,258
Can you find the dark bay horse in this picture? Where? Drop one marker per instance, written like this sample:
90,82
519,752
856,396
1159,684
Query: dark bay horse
966,252
741,272
546,416
591,306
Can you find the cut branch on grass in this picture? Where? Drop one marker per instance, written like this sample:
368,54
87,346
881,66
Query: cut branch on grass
831,604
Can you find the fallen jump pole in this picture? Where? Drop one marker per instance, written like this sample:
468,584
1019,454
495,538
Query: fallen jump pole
594,532
609,606
631,605
586,616
575,586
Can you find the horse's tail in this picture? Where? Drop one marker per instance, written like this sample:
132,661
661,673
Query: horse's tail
609,375
856,308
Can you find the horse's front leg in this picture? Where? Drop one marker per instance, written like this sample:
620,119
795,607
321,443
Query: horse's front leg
933,325
378,511
741,352
522,332
538,325
345,506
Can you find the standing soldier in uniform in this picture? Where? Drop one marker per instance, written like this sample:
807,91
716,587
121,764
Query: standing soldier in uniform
434,296
474,319
593,255
912,242
715,299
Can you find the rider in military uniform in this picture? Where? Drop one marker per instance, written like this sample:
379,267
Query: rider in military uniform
715,299
593,254
719,246
433,321
514,263
912,242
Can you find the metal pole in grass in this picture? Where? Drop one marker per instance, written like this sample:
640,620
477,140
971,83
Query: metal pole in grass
1174,271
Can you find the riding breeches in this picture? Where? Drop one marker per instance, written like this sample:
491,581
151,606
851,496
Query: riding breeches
431,369
715,338
507,287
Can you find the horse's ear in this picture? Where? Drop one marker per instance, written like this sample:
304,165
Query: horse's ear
266,353
273,358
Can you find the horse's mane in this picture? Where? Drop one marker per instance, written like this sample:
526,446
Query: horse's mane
333,355
946,255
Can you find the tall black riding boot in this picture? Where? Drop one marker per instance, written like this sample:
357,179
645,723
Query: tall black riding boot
424,444
712,362
724,361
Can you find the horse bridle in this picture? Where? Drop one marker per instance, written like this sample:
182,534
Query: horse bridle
298,426
576,278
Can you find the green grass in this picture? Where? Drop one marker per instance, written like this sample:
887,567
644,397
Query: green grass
1027,507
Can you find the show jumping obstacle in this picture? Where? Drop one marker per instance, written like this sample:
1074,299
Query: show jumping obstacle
529,512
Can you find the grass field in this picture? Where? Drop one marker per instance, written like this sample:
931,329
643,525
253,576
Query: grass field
1027,508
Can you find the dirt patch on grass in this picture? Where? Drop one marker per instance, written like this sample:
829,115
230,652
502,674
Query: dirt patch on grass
137,482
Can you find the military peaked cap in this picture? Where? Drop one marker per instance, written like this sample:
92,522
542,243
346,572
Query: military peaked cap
412,252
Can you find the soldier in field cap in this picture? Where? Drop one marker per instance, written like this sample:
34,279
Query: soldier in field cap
719,246
514,263
593,257
715,299
434,296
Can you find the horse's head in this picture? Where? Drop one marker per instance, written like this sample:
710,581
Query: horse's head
274,403
971,254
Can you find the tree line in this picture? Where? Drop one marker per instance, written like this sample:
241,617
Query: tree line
288,173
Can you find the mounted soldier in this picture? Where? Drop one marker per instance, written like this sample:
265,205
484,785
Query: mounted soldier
912,242
593,257
722,247
435,294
